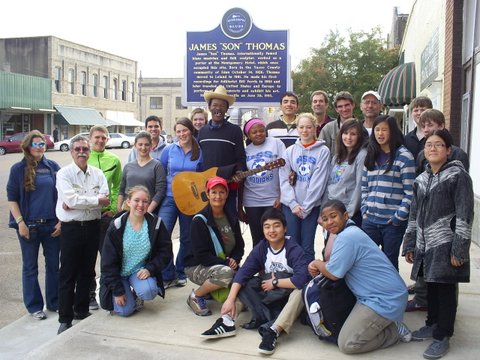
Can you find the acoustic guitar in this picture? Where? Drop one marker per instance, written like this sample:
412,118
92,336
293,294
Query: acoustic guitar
189,191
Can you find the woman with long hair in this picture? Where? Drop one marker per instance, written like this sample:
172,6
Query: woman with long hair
346,169
260,191
32,198
137,248
146,171
387,184
438,237
183,155
303,180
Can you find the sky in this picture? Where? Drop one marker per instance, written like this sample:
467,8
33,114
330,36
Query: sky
154,32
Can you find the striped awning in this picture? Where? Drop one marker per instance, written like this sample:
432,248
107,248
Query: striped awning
397,88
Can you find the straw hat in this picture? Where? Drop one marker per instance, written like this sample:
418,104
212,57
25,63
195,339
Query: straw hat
219,93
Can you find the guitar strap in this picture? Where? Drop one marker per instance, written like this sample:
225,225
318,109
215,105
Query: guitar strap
216,243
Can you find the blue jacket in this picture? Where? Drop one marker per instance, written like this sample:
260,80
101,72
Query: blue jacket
16,188
174,160
255,263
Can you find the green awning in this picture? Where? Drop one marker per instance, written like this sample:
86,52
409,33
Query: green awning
398,87
80,115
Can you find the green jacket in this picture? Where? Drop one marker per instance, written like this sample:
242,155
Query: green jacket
111,167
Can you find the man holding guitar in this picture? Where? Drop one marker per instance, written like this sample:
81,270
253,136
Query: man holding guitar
222,142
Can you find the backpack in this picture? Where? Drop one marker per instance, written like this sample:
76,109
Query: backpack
328,304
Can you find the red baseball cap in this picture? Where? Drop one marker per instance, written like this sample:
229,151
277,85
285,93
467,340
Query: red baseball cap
216,180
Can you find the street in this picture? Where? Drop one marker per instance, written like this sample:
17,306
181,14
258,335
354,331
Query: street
10,255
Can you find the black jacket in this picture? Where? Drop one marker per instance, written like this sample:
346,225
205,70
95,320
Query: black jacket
202,251
112,253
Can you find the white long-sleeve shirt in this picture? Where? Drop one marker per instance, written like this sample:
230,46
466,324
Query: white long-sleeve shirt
79,191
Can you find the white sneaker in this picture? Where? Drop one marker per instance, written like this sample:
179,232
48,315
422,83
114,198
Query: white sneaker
404,332
39,315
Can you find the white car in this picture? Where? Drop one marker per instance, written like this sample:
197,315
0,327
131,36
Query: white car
118,140
64,145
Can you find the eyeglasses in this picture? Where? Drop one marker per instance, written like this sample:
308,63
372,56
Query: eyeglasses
38,144
437,146
81,149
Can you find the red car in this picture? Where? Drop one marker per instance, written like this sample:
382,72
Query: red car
13,143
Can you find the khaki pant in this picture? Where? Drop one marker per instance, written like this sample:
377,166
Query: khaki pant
365,330
290,311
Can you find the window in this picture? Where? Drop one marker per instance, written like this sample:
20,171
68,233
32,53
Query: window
105,87
83,83
156,103
178,103
95,85
115,89
58,79
132,91
71,81
124,90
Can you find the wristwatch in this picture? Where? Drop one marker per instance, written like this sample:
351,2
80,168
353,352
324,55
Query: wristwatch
275,282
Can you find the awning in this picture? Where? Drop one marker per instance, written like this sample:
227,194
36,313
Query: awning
397,88
80,115
123,118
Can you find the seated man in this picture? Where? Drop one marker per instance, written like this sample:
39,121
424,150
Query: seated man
272,255
375,320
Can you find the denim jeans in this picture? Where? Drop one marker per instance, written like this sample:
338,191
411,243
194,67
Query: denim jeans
169,213
145,289
303,230
388,236
32,294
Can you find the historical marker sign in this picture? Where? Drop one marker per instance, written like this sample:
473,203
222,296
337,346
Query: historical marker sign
253,64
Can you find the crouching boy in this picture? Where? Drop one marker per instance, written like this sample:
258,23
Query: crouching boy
375,320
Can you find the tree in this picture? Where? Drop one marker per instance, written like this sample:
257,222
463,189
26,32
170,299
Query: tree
356,65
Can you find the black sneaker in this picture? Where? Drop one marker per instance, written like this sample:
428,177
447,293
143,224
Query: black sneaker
269,340
219,330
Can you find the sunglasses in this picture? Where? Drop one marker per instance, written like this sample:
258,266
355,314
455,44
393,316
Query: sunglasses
81,149
38,144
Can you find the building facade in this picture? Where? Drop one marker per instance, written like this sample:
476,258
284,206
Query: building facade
162,97
82,78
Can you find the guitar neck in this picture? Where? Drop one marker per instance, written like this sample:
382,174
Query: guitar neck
244,174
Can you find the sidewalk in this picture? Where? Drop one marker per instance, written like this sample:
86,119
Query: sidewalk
167,329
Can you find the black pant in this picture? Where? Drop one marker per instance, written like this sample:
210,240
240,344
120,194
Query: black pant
442,308
253,296
254,215
78,255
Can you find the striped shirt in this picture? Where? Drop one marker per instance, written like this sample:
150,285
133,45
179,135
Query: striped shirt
387,196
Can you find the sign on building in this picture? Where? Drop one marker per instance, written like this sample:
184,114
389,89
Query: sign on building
253,64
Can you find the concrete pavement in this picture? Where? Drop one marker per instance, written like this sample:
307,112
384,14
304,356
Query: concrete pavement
167,329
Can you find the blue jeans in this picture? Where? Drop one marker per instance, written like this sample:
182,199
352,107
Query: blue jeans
388,236
145,289
32,294
303,230
169,213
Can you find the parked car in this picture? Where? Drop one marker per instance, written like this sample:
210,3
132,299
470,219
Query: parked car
14,143
118,140
64,145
